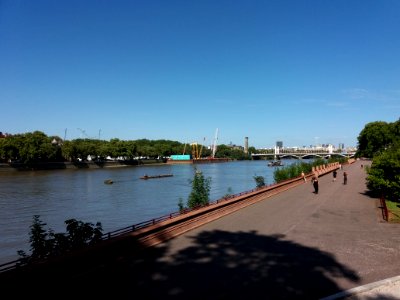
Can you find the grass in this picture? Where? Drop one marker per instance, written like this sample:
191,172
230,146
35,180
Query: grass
394,211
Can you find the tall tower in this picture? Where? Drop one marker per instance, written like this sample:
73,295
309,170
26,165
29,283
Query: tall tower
246,145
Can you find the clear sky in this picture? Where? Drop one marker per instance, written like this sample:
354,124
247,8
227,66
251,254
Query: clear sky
301,72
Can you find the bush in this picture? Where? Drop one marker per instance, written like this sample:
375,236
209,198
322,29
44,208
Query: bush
199,196
260,181
45,244
294,170
384,174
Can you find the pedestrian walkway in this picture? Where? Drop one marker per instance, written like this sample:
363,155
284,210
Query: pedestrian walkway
383,289
294,245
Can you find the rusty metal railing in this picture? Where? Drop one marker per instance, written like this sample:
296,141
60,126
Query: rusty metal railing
385,212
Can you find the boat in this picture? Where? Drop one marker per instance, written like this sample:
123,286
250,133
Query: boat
108,181
155,176
275,163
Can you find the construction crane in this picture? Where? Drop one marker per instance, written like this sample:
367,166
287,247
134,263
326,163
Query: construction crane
214,145
83,133
184,149
196,152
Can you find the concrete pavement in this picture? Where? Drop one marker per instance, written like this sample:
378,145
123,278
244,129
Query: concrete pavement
384,289
300,245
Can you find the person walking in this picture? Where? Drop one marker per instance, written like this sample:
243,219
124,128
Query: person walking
334,175
344,177
304,176
314,181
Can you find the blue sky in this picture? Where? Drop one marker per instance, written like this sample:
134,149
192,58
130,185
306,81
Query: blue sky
301,72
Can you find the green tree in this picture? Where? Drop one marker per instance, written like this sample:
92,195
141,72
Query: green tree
260,181
253,150
384,175
45,244
199,196
374,138
38,238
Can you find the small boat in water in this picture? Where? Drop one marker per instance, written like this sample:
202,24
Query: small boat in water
275,163
155,176
108,181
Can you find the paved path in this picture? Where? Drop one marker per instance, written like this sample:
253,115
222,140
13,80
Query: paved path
295,245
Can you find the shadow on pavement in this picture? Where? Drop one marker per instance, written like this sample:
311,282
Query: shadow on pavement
217,265
225,265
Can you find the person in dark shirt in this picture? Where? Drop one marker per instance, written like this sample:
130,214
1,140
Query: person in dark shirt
314,181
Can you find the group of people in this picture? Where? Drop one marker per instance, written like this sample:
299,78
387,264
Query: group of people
314,179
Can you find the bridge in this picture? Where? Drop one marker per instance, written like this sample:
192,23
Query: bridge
322,152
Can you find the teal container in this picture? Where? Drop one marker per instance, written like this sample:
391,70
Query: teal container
180,157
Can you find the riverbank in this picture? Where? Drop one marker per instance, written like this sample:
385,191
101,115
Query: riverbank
10,167
154,232
260,249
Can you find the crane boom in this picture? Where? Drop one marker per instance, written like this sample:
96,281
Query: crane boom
214,146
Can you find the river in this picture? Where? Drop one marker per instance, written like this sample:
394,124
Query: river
58,195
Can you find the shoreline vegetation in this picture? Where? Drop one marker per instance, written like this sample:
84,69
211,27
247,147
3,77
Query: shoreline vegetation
35,149
77,165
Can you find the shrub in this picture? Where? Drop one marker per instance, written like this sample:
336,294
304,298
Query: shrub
199,196
260,181
44,244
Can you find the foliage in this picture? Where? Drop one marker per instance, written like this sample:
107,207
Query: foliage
38,239
340,160
260,181
224,151
199,196
294,170
376,137
253,150
37,147
45,244
29,148
181,206
381,141
384,173
394,208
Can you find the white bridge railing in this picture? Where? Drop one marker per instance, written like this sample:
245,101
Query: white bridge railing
302,153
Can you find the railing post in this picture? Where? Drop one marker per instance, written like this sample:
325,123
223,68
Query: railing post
384,208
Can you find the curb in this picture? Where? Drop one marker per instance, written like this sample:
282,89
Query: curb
362,289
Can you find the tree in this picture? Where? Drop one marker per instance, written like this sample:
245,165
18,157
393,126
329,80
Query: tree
260,182
38,239
199,196
45,244
384,175
374,138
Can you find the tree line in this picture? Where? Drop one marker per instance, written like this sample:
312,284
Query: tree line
380,141
36,147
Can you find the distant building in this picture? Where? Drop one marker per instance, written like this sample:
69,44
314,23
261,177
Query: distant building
246,145
235,147
279,144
